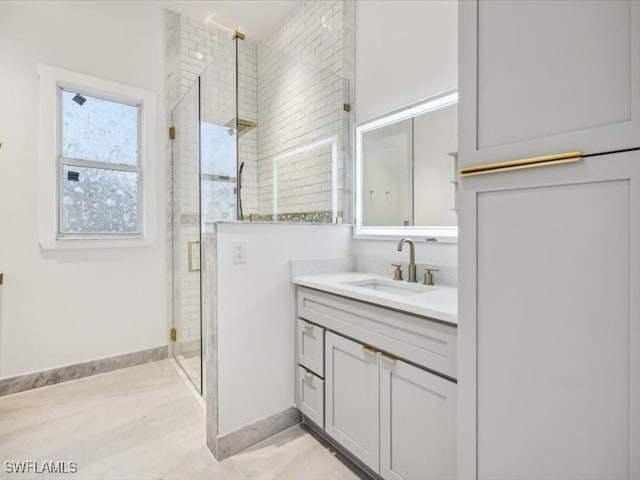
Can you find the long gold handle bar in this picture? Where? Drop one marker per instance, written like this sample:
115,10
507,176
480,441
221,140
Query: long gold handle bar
522,164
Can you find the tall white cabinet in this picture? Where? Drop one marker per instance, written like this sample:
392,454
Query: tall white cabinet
549,259
545,77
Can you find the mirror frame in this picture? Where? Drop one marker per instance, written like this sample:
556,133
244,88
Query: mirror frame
445,234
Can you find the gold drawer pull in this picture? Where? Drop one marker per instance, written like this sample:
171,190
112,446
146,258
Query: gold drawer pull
1,278
369,350
388,358
309,325
308,373
521,164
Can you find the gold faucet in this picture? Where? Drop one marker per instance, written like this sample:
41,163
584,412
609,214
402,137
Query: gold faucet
412,259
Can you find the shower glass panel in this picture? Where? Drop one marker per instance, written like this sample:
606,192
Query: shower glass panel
297,156
218,138
187,348
259,136
204,155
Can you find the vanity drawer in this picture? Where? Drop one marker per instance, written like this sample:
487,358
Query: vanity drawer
423,341
311,395
311,347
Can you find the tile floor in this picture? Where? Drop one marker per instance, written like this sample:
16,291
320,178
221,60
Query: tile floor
145,422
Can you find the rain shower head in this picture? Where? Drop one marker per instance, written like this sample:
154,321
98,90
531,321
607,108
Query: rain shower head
243,125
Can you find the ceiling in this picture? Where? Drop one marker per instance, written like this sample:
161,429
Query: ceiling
255,18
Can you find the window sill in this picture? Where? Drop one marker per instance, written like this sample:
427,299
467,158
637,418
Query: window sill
90,243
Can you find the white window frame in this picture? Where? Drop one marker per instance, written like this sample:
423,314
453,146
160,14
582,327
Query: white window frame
50,160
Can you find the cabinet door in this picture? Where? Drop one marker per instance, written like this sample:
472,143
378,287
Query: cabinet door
539,78
417,423
351,406
550,322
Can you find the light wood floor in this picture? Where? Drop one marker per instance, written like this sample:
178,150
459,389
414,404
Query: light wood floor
144,423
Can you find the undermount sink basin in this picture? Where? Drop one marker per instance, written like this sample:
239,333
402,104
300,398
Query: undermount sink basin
395,287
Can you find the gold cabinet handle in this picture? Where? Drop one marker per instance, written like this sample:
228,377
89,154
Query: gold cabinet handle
308,373
190,254
308,325
388,358
1,278
369,350
521,164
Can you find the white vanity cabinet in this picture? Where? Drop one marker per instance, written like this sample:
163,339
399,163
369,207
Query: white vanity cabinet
545,77
390,393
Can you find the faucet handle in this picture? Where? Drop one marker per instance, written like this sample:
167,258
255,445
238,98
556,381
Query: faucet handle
428,275
397,272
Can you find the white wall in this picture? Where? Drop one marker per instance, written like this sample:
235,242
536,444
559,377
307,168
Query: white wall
434,138
60,308
405,51
256,314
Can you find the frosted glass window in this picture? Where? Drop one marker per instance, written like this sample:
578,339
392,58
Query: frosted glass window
100,175
218,149
218,201
99,130
96,200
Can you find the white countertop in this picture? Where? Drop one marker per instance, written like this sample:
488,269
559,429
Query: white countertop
440,303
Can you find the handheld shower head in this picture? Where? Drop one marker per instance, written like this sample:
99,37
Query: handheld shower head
241,216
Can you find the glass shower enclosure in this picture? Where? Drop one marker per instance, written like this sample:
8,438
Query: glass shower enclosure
258,136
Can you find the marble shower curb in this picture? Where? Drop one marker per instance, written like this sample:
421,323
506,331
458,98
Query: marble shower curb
247,436
29,381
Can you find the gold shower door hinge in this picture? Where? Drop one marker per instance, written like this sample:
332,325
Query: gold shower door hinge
346,107
173,334
172,133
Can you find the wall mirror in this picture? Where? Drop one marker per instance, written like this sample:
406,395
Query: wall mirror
406,171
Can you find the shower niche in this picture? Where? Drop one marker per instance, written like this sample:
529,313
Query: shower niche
259,136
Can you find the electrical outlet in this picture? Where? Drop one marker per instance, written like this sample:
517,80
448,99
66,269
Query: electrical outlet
239,252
